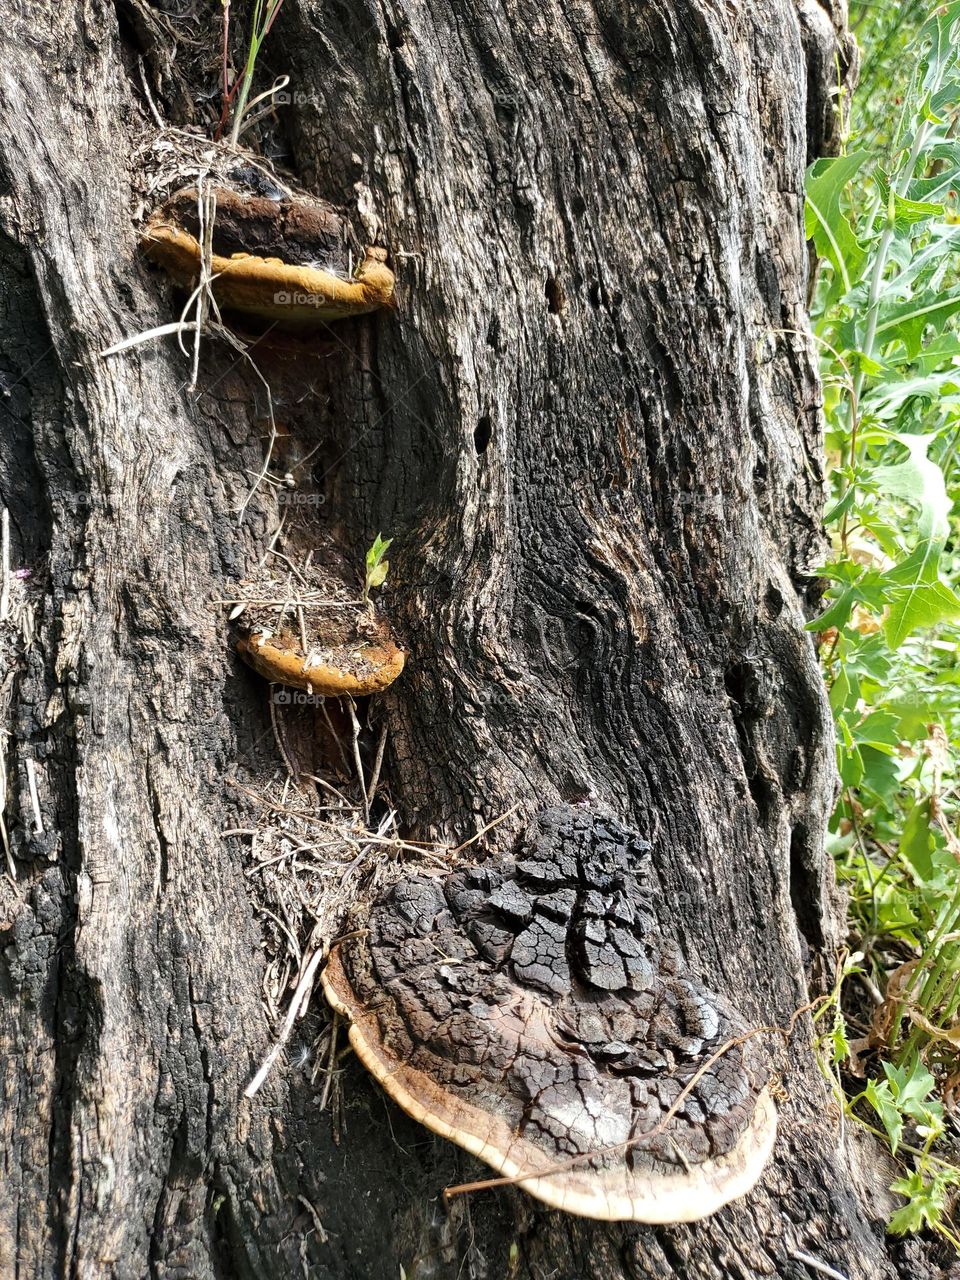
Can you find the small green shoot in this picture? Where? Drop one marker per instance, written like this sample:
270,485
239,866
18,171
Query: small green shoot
377,567
236,96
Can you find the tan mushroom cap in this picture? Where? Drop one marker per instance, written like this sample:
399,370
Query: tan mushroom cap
618,1194
292,297
368,669
529,1009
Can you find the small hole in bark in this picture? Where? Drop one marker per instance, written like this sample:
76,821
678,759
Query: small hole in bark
773,601
595,295
482,434
556,299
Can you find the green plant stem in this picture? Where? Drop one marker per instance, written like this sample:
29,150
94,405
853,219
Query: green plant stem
928,994
865,855
240,108
264,15
883,250
904,1146
873,302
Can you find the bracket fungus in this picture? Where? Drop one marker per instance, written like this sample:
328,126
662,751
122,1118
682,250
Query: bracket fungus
265,258
330,668
315,633
531,1011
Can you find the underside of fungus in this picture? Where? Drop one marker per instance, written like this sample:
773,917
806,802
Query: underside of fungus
531,1011
277,260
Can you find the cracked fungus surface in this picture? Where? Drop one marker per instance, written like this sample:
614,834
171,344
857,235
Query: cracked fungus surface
531,1010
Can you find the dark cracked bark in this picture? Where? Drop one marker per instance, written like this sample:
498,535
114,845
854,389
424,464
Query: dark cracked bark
591,427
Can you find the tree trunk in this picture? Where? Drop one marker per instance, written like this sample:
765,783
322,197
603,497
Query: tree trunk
592,429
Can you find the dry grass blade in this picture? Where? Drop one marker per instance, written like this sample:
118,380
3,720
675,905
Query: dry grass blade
311,859
161,331
297,1008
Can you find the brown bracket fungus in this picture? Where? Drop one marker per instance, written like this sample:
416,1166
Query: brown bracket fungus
330,668
266,256
314,633
531,1011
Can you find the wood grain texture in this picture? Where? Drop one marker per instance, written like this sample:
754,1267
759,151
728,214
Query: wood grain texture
592,429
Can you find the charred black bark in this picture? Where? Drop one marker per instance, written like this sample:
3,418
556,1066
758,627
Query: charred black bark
591,428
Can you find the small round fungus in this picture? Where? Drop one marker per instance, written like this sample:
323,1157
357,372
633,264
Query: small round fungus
321,636
532,1011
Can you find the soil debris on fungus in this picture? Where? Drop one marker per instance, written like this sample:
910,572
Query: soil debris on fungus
312,631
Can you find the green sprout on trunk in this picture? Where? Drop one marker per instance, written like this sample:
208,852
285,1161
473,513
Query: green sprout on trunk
377,567
236,97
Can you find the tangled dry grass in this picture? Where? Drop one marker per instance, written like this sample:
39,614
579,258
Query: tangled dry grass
314,860
305,596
